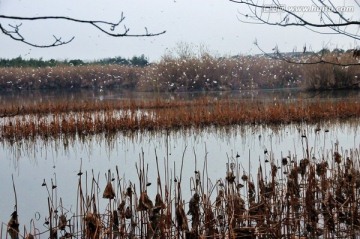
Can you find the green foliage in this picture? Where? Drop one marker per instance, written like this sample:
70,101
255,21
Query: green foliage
20,62
112,61
324,51
338,51
76,62
139,61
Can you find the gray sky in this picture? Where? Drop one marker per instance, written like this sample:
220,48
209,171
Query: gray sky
211,23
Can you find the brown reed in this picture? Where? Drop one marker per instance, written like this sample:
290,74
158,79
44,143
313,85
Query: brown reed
192,72
317,198
57,120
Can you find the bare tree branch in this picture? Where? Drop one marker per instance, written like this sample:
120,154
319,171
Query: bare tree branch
16,35
330,17
106,27
261,14
304,59
301,21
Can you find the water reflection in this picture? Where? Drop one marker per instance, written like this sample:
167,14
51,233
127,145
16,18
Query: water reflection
14,97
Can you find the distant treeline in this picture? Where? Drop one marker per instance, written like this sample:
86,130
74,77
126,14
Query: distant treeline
20,62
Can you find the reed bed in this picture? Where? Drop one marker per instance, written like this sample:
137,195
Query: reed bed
290,197
329,76
172,73
192,72
63,106
87,118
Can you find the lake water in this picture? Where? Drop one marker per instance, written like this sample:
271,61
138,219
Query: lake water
59,161
82,95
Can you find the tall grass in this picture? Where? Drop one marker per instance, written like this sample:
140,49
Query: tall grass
327,76
69,77
189,72
205,72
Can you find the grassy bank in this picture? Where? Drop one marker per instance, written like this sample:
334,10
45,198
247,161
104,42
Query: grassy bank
190,73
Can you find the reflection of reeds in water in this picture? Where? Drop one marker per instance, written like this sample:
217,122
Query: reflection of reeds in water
54,121
295,198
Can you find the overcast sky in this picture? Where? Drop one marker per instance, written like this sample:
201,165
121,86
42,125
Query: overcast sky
211,23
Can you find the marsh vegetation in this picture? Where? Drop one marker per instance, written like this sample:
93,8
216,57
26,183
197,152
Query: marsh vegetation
191,71
62,119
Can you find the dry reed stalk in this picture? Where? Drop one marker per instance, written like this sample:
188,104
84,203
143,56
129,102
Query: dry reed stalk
197,116
316,198
13,226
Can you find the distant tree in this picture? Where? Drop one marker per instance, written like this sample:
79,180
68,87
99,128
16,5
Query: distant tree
106,27
324,51
332,19
338,51
139,61
76,62
20,62
119,61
